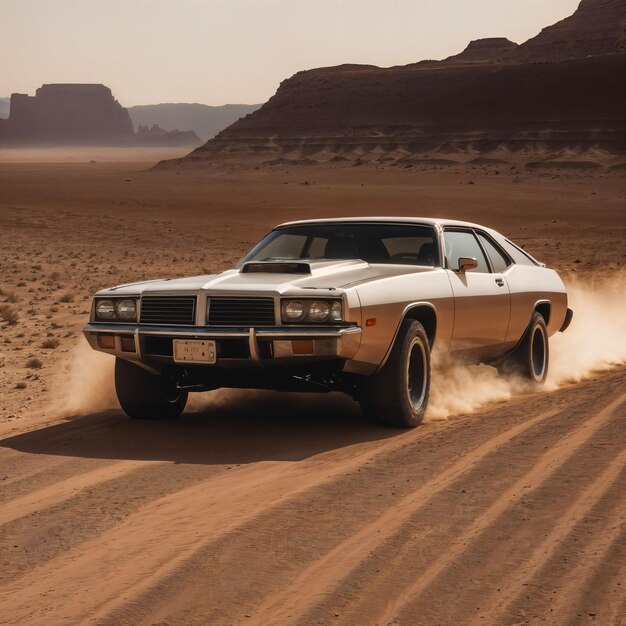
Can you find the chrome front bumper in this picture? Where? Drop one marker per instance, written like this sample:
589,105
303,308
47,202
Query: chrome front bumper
285,343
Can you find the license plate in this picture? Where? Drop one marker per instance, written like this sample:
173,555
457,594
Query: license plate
194,351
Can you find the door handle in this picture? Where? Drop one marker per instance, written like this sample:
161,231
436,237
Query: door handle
500,282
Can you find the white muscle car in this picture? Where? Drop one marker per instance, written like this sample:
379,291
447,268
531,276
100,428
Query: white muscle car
354,305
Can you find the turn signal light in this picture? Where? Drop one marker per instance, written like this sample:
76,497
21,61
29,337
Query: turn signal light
106,341
302,346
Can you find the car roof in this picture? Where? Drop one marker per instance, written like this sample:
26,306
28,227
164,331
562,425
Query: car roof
432,221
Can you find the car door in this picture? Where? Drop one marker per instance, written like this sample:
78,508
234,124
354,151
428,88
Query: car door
482,302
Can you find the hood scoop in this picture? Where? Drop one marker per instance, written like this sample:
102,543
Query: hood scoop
275,267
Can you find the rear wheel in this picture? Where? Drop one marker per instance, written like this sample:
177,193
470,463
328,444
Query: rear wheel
146,396
398,394
532,356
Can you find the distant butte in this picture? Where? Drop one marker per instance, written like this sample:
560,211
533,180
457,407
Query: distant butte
563,90
78,114
490,49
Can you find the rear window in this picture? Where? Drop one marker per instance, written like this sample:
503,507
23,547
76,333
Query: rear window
517,254
498,261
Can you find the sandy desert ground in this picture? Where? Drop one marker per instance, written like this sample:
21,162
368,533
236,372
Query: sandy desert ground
506,507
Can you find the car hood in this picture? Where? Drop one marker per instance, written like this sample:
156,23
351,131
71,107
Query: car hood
277,279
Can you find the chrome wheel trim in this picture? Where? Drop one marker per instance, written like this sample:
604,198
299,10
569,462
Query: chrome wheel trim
538,353
416,374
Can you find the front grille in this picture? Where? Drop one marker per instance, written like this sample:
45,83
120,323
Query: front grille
175,310
241,312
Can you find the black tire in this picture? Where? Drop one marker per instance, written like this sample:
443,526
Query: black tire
532,357
146,396
398,394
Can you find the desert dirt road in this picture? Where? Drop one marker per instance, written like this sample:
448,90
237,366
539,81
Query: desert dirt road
270,510
289,510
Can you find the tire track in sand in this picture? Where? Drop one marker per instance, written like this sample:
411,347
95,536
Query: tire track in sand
544,551
55,493
588,576
290,604
21,467
153,542
539,473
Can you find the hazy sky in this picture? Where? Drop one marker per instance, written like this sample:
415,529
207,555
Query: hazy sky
220,51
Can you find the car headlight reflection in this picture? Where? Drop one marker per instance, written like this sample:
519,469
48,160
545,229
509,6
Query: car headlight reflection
312,311
336,311
126,309
105,309
293,311
319,311
116,309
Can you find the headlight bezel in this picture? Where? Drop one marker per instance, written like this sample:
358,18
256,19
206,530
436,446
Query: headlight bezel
119,306
110,312
297,305
115,317
307,318
318,311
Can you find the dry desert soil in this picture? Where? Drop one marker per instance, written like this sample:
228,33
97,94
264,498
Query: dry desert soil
506,507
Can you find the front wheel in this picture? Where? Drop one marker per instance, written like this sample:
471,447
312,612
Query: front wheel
146,396
398,394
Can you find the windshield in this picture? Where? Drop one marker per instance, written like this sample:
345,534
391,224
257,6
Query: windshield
375,243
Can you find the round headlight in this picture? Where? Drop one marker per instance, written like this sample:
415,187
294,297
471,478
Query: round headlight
293,310
319,311
126,309
105,309
336,312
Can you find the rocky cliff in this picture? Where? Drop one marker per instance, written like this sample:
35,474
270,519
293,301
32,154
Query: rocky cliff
563,89
598,27
481,50
206,121
75,114
67,114
156,136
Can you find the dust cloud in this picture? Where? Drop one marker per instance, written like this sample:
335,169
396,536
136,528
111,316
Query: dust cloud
459,388
595,341
89,386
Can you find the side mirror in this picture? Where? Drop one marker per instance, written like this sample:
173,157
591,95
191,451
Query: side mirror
467,263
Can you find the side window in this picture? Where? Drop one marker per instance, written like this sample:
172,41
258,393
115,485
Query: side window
498,261
463,244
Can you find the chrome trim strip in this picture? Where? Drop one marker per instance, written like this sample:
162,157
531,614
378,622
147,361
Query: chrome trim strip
254,347
309,332
137,344
103,327
265,332
342,342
